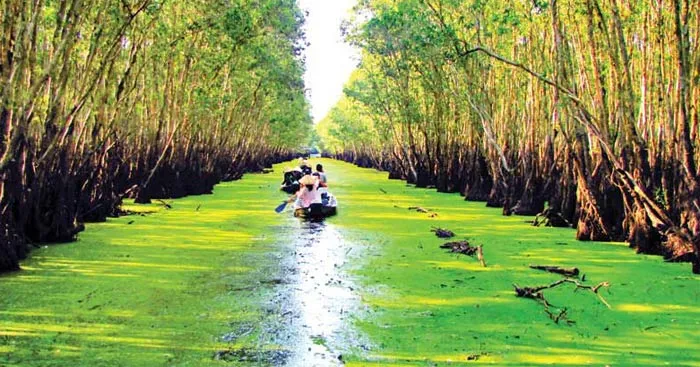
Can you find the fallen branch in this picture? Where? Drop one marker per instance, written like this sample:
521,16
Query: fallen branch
568,272
460,247
166,205
536,294
419,209
442,232
480,255
463,247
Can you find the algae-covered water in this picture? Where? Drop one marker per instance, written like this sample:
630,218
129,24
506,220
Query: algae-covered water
222,280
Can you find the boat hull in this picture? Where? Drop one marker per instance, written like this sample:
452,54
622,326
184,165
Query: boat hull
319,211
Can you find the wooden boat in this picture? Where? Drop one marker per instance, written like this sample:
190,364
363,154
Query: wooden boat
328,208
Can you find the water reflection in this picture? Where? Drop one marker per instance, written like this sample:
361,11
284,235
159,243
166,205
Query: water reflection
320,296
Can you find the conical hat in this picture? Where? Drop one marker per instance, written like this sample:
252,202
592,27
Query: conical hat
307,180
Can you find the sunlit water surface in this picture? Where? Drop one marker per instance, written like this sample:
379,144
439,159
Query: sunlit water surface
317,297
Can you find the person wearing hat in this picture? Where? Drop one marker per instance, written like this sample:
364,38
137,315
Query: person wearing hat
307,196
292,174
290,182
305,167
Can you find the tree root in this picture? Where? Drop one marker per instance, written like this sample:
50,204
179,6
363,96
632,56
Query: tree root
550,218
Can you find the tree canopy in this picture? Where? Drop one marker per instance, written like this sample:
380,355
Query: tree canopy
147,98
586,105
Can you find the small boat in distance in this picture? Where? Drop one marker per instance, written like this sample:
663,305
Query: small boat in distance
292,183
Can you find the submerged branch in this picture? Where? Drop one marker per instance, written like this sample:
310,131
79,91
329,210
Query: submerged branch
537,294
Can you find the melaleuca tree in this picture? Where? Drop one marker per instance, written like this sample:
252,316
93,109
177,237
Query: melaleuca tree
146,98
566,102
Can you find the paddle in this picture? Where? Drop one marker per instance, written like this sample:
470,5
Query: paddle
281,207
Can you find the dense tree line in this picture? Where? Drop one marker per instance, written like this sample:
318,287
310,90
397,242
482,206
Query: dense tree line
588,107
102,99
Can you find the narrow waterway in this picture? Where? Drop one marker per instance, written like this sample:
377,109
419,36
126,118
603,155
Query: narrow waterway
222,280
306,318
317,297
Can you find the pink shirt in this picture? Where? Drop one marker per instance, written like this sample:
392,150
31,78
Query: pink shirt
305,197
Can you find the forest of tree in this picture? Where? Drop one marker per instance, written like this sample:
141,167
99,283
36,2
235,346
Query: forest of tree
586,110
102,100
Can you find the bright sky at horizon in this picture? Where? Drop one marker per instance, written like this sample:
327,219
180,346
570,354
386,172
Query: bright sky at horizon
329,60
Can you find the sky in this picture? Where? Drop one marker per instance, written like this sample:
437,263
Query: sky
329,60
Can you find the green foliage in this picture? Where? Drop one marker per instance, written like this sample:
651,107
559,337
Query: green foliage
234,61
348,124
238,24
416,73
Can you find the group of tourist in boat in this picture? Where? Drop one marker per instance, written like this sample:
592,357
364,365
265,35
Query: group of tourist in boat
309,191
